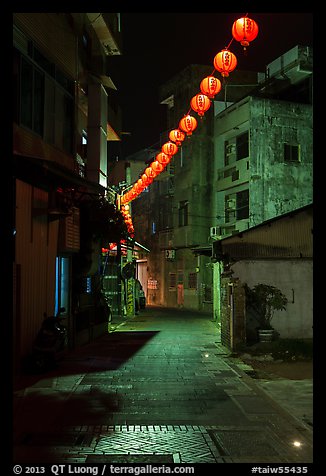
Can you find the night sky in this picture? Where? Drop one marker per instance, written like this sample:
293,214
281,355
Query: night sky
157,46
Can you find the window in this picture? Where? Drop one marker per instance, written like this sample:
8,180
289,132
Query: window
172,280
242,144
45,103
26,104
230,206
229,152
165,213
291,153
38,103
192,281
242,205
183,213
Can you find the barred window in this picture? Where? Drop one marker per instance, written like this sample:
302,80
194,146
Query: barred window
192,281
242,205
172,280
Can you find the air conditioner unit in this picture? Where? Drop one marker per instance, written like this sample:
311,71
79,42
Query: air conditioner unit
231,203
214,231
230,149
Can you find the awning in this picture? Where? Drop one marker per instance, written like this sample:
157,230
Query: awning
202,250
51,174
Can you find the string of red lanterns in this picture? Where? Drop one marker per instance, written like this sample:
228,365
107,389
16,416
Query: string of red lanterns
244,30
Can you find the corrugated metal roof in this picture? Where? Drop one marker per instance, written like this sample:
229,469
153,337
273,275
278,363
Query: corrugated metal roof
289,236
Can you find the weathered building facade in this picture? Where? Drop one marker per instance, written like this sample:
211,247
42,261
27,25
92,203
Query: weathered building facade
180,200
62,102
248,161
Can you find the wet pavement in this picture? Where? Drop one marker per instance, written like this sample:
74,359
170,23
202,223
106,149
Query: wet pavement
159,388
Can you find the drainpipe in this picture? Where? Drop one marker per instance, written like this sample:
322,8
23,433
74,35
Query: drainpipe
231,304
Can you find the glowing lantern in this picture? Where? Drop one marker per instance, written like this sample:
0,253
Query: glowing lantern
244,30
157,167
146,180
225,62
188,124
163,158
150,172
210,86
140,185
169,148
177,136
129,196
200,104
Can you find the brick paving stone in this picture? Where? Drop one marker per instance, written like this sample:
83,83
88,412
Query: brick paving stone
162,384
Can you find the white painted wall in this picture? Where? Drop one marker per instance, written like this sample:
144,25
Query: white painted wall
295,279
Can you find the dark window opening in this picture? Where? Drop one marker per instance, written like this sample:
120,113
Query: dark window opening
242,205
192,281
291,153
183,213
41,104
242,142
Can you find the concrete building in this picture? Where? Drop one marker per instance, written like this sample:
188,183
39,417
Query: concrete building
264,156
263,148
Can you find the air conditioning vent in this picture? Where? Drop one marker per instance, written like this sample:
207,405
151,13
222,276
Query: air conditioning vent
231,203
230,149
214,231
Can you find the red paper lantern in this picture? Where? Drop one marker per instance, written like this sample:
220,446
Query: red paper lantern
134,191
210,86
200,104
177,136
225,62
188,124
169,148
146,180
163,158
244,30
140,185
150,172
157,167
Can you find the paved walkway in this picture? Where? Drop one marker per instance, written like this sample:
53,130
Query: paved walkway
160,388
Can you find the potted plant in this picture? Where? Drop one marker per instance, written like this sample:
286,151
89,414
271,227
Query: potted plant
264,299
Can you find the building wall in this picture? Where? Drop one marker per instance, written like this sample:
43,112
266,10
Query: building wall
294,277
35,253
53,35
281,186
61,60
193,183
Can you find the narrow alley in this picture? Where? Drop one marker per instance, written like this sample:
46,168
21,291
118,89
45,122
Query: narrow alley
160,388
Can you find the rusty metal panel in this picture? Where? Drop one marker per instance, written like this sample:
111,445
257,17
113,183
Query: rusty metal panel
36,248
53,36
283,237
